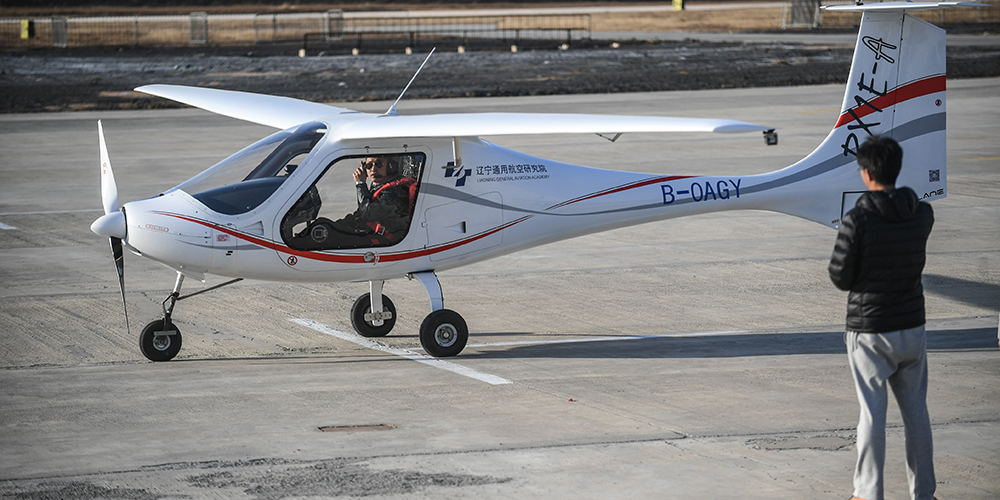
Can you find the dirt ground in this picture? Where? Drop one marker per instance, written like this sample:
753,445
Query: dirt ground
103,78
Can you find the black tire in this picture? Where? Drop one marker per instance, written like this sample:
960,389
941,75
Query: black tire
362,306
443,333
159,348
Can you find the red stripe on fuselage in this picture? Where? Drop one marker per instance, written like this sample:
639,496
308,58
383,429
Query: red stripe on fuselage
343,258
620,189
909,91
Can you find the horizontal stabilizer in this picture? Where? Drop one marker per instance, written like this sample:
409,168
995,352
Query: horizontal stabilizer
274,111
485,124
901,6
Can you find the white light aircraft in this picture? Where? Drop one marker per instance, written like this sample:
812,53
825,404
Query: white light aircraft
297,207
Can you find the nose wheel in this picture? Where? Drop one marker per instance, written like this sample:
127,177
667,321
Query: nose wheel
160,341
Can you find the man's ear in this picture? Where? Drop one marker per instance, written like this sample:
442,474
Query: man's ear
866,177
869,179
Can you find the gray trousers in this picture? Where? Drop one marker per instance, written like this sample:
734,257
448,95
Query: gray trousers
899,358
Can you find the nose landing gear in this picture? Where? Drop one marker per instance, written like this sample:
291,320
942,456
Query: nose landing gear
160,340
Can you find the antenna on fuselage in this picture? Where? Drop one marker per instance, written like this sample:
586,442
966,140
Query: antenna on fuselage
392,109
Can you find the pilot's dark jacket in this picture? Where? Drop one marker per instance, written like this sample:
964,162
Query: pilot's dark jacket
385,208
382,219
879,257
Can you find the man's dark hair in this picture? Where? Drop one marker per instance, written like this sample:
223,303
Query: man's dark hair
883,157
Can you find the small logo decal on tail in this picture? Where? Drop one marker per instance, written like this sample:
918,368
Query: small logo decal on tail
932,194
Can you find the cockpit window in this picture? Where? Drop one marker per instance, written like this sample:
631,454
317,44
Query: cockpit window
246,179
359,202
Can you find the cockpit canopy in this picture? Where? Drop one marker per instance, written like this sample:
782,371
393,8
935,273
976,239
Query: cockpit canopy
246,179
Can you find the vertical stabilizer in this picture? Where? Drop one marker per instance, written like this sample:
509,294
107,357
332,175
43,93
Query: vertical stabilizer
896,88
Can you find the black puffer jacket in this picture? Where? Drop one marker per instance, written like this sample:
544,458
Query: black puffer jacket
879,257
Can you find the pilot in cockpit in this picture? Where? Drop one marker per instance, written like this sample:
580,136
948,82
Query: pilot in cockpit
381,219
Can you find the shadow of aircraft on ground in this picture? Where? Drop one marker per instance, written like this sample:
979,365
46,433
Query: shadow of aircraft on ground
729,345
942,335
974,293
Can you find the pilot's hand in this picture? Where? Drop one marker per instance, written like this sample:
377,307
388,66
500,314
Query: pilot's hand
360,175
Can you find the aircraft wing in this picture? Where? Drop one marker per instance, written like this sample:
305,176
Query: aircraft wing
480,124
284,112
271,110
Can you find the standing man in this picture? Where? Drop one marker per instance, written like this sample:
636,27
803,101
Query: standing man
879,257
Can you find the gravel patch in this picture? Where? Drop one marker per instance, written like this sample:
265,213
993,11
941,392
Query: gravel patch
103,79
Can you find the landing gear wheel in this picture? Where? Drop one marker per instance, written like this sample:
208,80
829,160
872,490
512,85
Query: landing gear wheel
365,328
443,333
159,347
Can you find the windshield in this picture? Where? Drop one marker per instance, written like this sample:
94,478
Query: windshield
246,179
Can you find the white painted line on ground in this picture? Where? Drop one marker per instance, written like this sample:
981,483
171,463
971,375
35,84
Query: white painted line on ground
419,358
54,212
5,227
606,339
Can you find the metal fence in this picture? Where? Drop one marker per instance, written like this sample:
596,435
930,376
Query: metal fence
504,28
199,28
357,28
801,14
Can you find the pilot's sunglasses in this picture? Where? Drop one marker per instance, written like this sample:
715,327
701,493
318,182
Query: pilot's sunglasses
371,165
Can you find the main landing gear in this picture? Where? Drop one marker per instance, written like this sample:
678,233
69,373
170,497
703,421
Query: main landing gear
160,340
443,332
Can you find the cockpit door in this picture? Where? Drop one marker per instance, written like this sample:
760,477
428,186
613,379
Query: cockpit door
333,220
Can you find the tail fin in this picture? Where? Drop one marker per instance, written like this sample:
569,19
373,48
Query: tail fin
896,88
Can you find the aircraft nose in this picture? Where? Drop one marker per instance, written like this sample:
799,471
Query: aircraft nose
110,225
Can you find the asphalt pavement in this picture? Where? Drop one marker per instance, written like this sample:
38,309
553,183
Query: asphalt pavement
699,357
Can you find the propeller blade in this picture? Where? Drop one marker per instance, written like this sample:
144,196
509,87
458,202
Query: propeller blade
113,225
119,254
109,189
